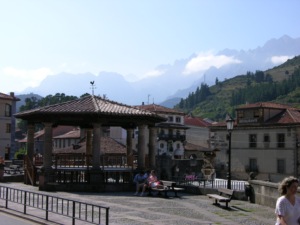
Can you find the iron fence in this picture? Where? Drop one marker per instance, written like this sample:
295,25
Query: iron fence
75,210
215,183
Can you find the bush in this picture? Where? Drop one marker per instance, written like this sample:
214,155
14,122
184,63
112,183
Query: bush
20,153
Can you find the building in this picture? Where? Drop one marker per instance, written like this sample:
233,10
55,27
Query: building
39,139
264,140
71,138
171,134
198,132
7,125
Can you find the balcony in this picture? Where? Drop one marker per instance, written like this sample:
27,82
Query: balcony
172,137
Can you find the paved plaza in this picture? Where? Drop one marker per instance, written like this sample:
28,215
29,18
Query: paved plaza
125,208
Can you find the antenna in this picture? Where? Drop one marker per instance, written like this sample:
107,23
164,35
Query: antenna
93,86
148,98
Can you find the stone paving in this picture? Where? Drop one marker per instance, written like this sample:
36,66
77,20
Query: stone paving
127,209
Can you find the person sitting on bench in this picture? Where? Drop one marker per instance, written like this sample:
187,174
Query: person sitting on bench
139,180
152,182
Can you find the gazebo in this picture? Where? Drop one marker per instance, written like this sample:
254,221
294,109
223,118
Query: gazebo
90,113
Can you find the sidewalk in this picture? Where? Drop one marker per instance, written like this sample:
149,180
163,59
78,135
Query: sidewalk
127,209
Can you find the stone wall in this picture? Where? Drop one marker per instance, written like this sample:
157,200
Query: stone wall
265,193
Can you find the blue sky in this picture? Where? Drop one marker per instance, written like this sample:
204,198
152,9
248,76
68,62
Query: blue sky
132,37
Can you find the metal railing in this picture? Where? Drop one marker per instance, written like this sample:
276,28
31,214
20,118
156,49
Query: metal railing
75,210
216,183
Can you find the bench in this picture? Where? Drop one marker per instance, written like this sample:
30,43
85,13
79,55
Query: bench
166,187
224,195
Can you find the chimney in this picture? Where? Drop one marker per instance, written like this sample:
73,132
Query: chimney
12,94
143,103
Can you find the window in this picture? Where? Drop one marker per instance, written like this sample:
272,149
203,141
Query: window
256,113
170,133
161,145
280,140
7,110
178,119
253,165
289,132
240,114
170,146
266,138
178,146
252,140
170,118
8,128
280,166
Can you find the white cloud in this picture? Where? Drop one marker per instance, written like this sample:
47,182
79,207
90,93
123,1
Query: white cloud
204,61
280,59
154,73
151,73
16,80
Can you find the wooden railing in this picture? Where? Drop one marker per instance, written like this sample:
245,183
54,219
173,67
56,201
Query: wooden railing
75,168
72,160
72,176
83,160
113,161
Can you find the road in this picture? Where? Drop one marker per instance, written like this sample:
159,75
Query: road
7,219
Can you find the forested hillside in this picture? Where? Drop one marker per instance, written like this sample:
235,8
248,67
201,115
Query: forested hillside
280,84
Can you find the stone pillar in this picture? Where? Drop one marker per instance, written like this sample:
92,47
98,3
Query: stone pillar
152,146
89,142
30,141
129,141
141,147
47,157
96,146
47,173
129,146
96,175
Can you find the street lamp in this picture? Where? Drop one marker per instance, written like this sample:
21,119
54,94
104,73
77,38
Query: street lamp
229,122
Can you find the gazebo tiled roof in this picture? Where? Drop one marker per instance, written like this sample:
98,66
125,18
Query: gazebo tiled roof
90,109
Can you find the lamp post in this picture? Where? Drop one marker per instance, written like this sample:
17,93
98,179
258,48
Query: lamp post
229,122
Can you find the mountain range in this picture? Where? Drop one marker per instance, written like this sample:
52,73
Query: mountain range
173,83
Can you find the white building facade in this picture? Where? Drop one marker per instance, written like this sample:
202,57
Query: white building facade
171,134
7,125
264,140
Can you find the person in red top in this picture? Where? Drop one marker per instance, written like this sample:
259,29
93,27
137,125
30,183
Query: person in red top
151,181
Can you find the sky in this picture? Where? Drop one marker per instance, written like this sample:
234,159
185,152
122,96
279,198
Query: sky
39,38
